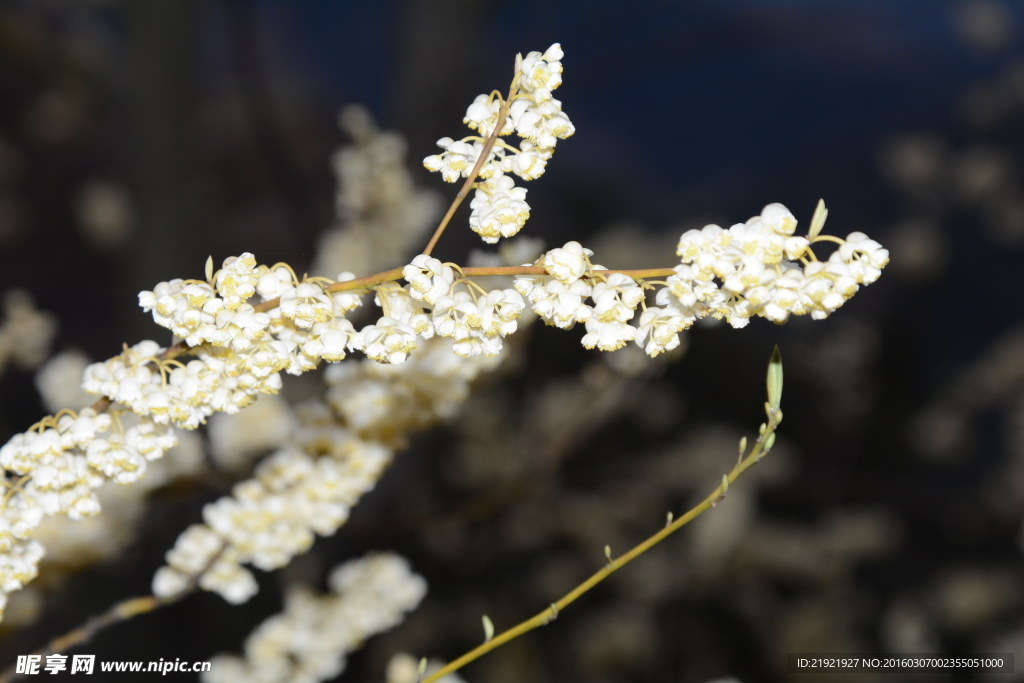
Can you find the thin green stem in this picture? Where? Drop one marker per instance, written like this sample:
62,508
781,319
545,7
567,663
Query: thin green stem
757,452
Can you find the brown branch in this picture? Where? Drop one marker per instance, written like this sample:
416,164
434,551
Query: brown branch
122,611
488,146
371,281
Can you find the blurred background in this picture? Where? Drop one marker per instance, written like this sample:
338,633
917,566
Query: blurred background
138,138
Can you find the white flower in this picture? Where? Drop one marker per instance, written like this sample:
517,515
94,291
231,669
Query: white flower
616,298
346,301
243,325
168,582
116,459
607,336
79,431
454,316
267,356
458,317
273,517
795,247
194,550
778,219
236,281
263,528
188,310
696,242
499,209
865,257
231,580
688,289
545,123
478,326
482,116
309,640
529,163
150,440
294,340
757,265
555,302
388,341
272,283
306,304
785,297
568,263
500,309
659,329
329,340
19,565
23,452
430,279
219,380
457,159
542,73
751,241
397,302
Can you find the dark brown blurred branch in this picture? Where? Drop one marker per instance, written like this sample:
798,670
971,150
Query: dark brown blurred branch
162,145
122,611
558,448
263,115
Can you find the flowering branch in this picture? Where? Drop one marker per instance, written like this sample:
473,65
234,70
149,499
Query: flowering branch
240,349
761,448
367,596
121,611
115,614
370,281
484,155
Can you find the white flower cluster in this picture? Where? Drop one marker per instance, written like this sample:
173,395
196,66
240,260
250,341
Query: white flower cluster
499,208
764,270
239,351
385,403
336,451
329,462
60,479
26,332
310,639
57,465
185,394
559,297
474,319
271,518
380,212
56,468
72,543
235,440
59,381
